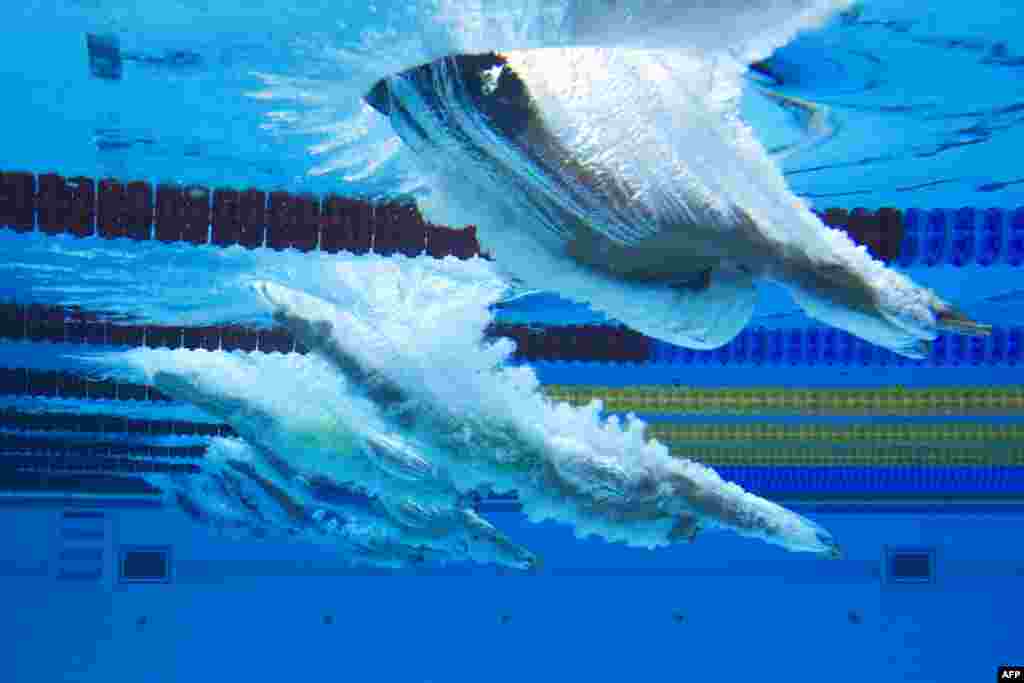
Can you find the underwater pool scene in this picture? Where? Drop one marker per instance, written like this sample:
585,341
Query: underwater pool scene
434,341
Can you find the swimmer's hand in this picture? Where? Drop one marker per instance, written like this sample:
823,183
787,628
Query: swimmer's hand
888,309
952,320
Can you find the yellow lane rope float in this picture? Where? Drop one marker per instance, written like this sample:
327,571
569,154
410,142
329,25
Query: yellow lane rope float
883,401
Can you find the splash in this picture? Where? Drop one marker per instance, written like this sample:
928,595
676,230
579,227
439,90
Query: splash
245,493
576,187
403,396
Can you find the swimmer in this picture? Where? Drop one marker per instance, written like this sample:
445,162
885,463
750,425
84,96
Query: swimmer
513,146
595,486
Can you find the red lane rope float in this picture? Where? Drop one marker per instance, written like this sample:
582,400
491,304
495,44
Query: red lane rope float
250,218
281,220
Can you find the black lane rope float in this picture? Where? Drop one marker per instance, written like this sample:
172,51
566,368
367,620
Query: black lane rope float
857,475
280,220
754,347
252,218
716,444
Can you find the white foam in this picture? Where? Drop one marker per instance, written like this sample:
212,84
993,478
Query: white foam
478,422
489,426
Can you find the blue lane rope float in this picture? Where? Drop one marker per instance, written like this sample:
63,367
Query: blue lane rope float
875,485
962,237
831,347
776,482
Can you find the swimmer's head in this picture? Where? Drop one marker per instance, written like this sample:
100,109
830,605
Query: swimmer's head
486,80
